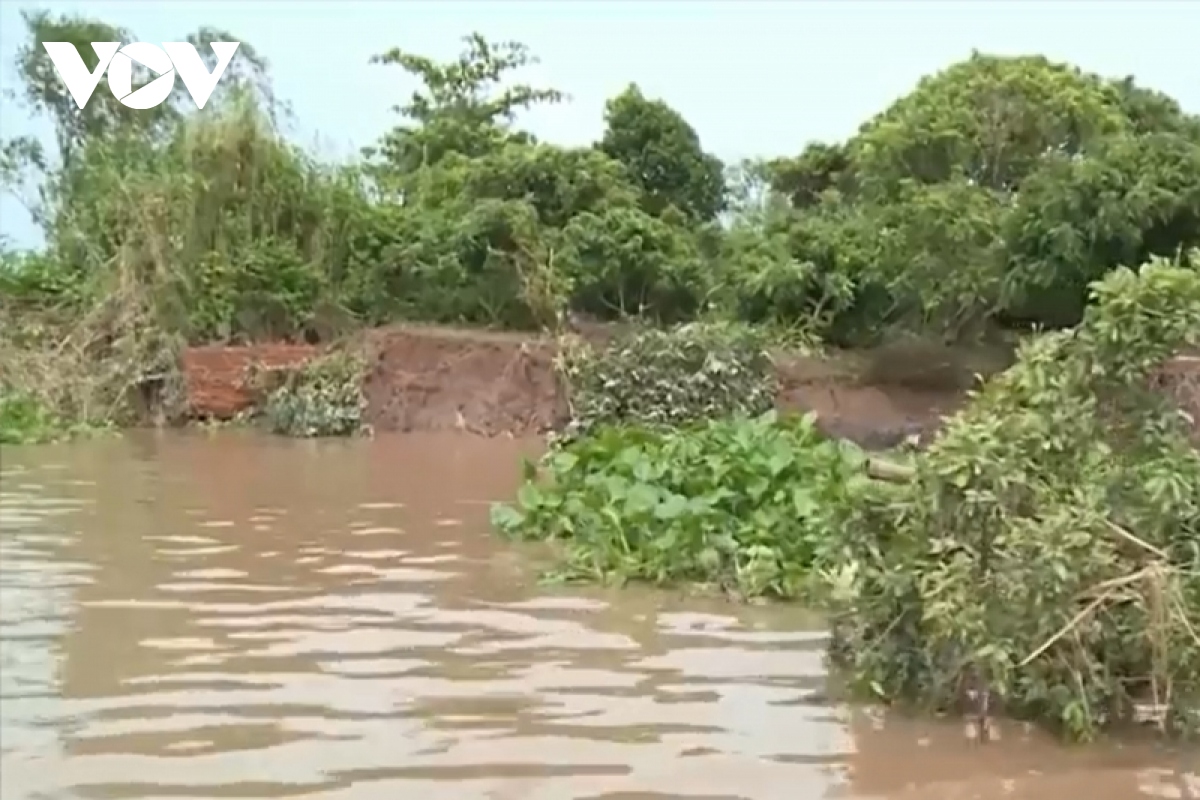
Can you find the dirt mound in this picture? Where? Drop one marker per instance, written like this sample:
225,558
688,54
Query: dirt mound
215,376
438,379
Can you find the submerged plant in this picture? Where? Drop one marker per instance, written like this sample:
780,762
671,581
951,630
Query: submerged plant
740,503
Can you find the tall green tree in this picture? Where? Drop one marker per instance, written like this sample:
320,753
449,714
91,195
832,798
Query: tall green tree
662,152
460,106
999,188
25,166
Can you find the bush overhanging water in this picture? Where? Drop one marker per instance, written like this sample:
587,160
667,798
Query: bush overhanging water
1044,558
1040,557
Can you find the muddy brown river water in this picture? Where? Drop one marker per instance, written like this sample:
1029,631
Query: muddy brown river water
230,616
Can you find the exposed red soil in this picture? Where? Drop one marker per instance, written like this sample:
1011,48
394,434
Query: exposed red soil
427,378
215,375
479,381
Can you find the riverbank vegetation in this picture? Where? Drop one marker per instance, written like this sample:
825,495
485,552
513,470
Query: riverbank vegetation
986,199
1037,557
666,377
320,397
1036,553
1044,554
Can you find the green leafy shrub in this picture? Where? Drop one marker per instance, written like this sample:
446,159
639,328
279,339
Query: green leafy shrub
322,397
740,503
670,378
23,420
1045,557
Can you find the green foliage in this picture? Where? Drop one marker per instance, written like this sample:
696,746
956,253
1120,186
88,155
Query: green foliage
162,226
322,397
24,420
44,93
738,503
1045,552
667,378
996,191
625,263
233,231
784,269
994,119
662,154
461,108
992,194
1080,217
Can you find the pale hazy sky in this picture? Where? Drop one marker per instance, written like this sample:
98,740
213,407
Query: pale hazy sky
754,78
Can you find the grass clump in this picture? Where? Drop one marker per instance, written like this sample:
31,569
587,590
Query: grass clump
1043,560
739,503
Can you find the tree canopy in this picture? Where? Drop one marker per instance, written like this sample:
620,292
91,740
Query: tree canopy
991,195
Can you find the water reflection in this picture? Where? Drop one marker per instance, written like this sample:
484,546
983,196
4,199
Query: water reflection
233,616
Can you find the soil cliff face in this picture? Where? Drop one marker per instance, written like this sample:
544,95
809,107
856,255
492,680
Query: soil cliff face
439,379
424,378
488,383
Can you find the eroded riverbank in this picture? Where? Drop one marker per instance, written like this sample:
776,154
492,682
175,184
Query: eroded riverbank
187,615
440,379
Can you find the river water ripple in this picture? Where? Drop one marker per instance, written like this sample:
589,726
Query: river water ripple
221,616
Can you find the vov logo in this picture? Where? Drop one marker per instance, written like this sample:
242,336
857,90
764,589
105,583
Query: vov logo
178,57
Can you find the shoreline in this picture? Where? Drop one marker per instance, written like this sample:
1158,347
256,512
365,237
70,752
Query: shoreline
489,383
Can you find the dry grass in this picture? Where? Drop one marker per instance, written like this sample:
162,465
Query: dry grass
110,366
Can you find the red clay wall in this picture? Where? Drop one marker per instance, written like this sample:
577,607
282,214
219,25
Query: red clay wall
215,375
